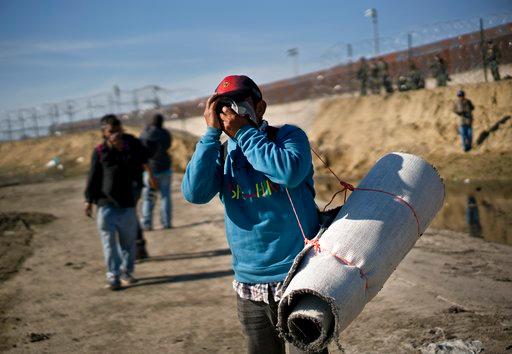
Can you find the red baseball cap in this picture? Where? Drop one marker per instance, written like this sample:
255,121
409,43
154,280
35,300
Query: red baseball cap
239,86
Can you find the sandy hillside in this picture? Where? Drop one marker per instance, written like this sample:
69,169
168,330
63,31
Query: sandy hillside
26,160
353,132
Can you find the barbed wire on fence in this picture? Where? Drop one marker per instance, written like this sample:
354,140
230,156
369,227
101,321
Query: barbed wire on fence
47,118
462,35
345,52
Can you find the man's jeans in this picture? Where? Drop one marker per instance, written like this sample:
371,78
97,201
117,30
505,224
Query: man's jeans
259,321
149,199
119,251
466,135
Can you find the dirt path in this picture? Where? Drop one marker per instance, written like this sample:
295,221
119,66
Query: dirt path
450,286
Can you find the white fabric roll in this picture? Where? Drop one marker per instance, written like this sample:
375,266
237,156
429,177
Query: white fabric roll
326,290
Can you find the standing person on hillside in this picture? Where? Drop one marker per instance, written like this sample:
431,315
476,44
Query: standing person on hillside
492,58
464,108
415,78
440,71
158,141
362,75
115,172
384,75
257,175
375,80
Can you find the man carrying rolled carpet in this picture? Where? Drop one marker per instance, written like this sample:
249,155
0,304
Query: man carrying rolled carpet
258,174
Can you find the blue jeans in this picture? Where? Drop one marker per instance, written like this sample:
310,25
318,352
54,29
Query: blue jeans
466,135
119,251
149,199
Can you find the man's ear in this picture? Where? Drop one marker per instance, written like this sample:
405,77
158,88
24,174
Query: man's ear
261,107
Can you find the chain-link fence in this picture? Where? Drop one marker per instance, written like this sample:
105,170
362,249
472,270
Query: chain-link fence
344,52
462,52
463,55
75,114
460,43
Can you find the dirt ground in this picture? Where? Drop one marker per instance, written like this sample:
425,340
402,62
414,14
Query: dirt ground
449,287
15,238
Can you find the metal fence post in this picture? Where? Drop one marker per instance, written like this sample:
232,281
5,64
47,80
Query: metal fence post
9,126
409,45
482,46
34,119
22,121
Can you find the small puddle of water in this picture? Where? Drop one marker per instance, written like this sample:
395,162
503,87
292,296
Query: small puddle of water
482,210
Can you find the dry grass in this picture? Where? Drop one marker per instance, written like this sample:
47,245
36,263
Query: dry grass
25,161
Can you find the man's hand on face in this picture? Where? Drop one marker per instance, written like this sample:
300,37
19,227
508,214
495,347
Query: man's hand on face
209,112
232,121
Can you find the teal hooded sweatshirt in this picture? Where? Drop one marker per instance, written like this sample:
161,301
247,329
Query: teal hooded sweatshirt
261,228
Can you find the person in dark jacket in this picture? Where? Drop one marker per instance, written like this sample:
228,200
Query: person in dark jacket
492,58
140,249
116,170
374,78
362,75
157,140
384,75
440,71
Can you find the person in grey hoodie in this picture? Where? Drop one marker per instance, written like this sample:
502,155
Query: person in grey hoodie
157,140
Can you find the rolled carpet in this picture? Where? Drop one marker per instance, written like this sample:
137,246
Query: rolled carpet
334,277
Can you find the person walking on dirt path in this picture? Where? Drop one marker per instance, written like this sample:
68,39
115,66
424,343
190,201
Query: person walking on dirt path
384,75
440,71
115,171
158,141
256,174
492,58
362,75
463,107
141,251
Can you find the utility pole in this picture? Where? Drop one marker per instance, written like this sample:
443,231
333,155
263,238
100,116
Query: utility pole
349,52
482,46
34,119
156,99
50,116
294,53
373,14
69,110
409,46
135,102
90,108
56,112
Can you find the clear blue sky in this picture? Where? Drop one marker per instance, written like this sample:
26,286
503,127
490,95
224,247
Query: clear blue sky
58,49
